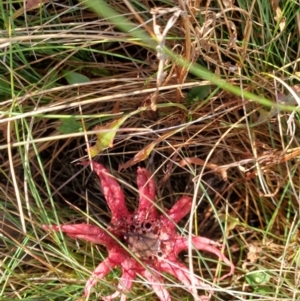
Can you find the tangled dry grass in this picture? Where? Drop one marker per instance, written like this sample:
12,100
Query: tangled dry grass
236,156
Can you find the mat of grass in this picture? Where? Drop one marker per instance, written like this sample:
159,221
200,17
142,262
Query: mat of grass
206,88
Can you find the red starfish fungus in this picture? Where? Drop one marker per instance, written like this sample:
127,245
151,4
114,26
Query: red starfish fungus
151,240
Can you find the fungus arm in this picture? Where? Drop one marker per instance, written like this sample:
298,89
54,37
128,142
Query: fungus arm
146,188
86,232
112,192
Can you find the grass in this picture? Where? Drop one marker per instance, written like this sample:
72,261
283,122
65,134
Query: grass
67,67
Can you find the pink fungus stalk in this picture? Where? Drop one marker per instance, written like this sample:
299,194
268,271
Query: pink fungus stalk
152,241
